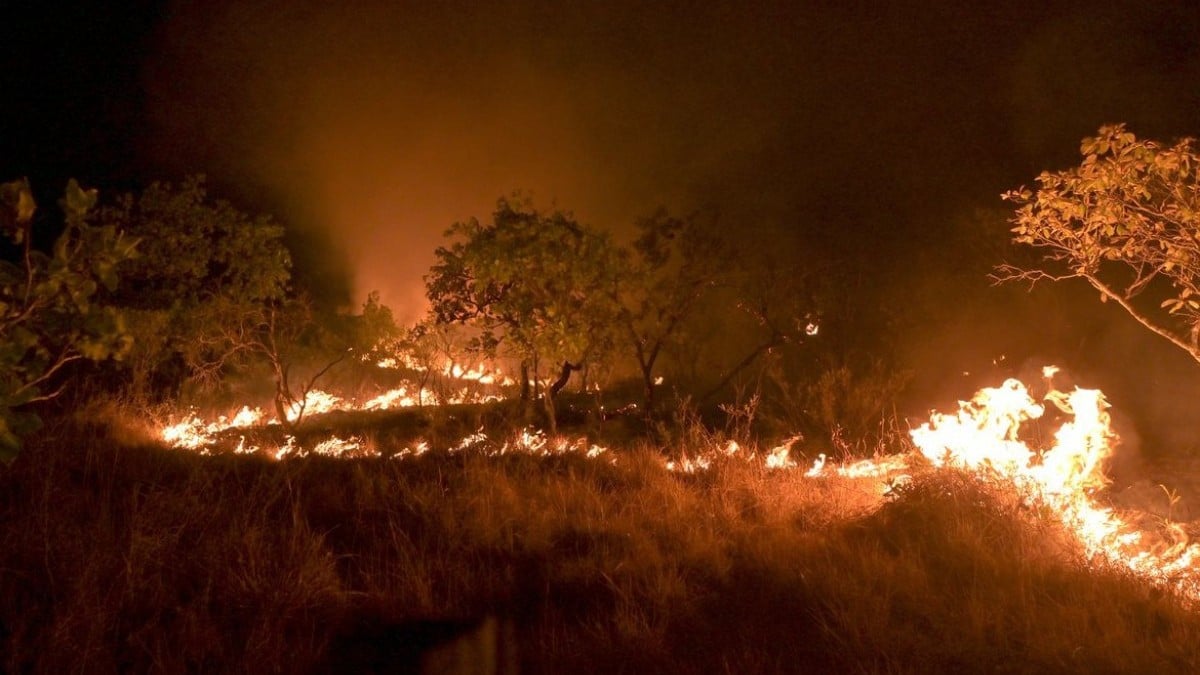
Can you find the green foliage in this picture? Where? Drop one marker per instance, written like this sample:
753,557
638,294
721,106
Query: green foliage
211,296
51,313
537,286
1126,221
204,266
194,247
373,329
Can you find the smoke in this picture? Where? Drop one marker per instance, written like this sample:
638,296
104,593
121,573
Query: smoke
856,136
375,129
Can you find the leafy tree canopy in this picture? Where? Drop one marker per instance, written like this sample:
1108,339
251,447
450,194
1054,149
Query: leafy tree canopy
538,285
51,309
1126,221
203,266
195,247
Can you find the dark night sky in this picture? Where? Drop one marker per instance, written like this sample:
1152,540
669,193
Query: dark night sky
873,132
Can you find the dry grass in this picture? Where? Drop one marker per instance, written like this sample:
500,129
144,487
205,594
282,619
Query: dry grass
119,557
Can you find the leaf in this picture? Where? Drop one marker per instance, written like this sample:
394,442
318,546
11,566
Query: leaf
76,201
15,425
18,202
10,443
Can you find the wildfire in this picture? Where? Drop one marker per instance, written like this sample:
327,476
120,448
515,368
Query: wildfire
193,432
448,368
983,436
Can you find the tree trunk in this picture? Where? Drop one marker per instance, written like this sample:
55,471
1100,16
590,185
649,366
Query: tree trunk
524,380
551,415
563,377
283,394
648,383
742,365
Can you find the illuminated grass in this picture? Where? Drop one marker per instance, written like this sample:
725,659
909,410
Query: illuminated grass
128,559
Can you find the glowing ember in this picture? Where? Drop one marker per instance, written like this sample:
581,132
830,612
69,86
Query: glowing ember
395,398
420,449
778,457
337,447
316,402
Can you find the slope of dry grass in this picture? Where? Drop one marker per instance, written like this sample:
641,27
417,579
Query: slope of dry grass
119,557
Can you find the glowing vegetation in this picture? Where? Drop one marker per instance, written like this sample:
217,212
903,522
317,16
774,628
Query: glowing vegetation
1124,221
753,560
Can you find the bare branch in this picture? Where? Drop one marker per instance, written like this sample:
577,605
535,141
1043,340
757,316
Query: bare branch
1142,318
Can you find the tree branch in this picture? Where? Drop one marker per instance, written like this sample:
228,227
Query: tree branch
1140,317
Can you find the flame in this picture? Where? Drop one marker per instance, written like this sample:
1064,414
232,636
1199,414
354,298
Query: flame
402,359
315,402
779,456
192,432
395,398
983,436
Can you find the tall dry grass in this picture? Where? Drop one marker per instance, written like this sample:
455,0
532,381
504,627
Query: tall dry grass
118,556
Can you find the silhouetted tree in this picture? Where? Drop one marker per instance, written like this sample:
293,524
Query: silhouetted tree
674,263
204,266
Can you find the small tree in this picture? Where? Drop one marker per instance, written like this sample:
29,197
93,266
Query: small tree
211,294
204,267
538,286
778,299
50,309
433,349
1126,221
298,344
674,263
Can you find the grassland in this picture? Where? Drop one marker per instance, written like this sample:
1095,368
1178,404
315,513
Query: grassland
119,555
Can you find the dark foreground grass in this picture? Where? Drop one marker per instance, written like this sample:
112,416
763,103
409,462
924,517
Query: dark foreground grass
126,558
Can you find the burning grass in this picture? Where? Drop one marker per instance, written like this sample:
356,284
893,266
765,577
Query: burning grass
121,557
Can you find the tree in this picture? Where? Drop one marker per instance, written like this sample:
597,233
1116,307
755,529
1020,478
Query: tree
1126,221
212,295
51,313
778,299
204,267
298,344
538,286
674,263
433,350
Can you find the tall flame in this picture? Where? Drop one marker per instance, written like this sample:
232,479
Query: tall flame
983,436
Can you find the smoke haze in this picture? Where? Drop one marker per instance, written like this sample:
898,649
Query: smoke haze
864,136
